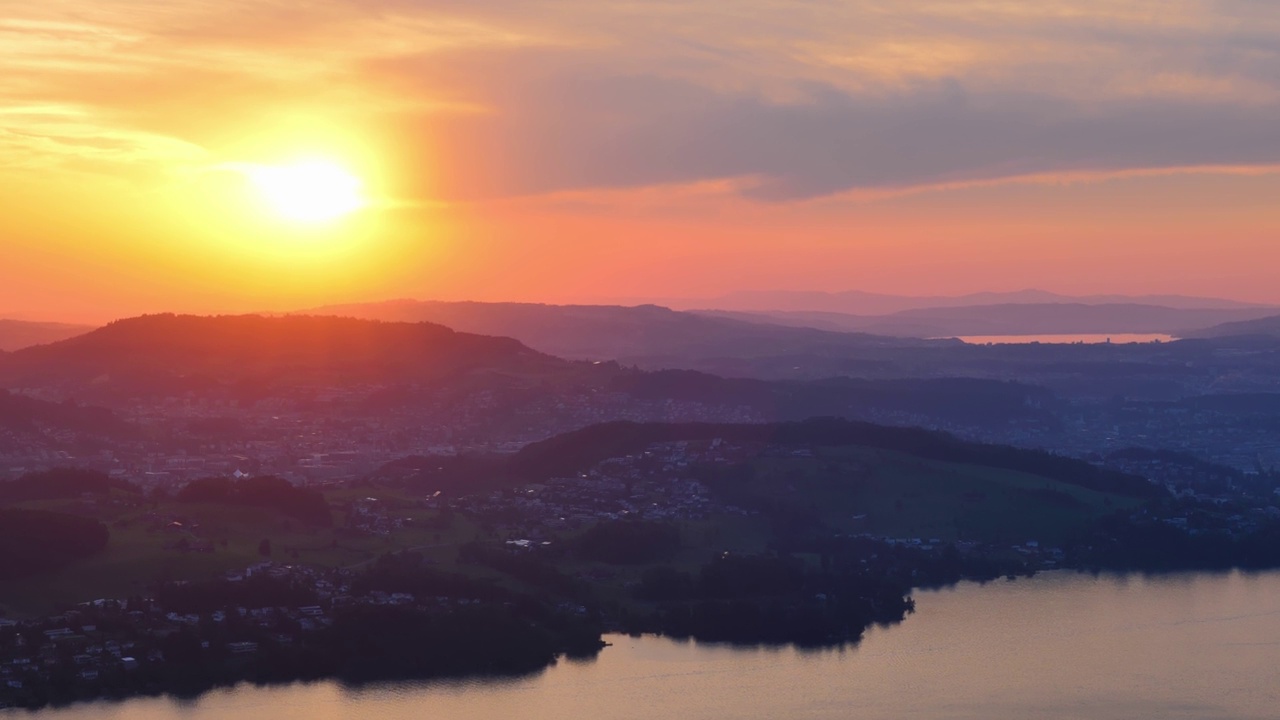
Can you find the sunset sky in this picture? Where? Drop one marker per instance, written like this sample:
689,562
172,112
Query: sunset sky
597,150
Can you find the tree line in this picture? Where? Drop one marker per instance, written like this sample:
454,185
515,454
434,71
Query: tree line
38,541
267,491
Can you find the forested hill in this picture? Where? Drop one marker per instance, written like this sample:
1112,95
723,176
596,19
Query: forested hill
150,350
268,492
36,541
574,452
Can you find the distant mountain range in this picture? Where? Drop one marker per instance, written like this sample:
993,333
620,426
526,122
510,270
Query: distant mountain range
647,332
730,324
343,365
521,345
18,334
608,332
855,302
1014,319
380,366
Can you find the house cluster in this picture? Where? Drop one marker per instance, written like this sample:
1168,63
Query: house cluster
1235,439
653,484
1033,554
1199,515
81,644
319,435
99,642
370,515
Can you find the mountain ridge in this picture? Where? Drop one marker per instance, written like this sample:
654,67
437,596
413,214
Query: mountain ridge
857,302
1010,319
606,332
170,348
1269,325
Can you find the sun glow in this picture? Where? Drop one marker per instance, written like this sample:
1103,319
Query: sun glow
312,191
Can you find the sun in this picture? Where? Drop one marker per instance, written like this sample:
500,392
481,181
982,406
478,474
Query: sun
312,191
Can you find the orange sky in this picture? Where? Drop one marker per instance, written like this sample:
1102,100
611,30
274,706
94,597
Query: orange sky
590,150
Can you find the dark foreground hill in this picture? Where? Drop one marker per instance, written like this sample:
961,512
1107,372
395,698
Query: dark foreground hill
166,353
496,384
571,453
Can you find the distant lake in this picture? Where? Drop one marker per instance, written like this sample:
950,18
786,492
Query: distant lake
1060,645
1115,338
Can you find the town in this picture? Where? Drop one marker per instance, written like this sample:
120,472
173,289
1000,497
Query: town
495,548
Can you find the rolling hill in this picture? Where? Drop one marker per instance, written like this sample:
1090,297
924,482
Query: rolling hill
170,353
575,451
1269,325
570,453
378,367
842,475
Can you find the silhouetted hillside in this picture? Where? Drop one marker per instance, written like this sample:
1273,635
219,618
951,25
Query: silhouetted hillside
18,334
172,353
613,332
1262,326
571,452
574,452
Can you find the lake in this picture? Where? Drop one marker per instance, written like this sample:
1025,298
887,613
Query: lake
1060,645
1088,339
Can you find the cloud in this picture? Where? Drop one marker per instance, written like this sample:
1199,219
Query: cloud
787,100
575,127
806,99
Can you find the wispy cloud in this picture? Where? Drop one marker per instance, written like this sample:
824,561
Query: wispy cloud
784,100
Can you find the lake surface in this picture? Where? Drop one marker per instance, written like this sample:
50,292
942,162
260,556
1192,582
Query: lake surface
1060,645
1095,339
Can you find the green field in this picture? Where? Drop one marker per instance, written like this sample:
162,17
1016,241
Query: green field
844,489
881,492
141,550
